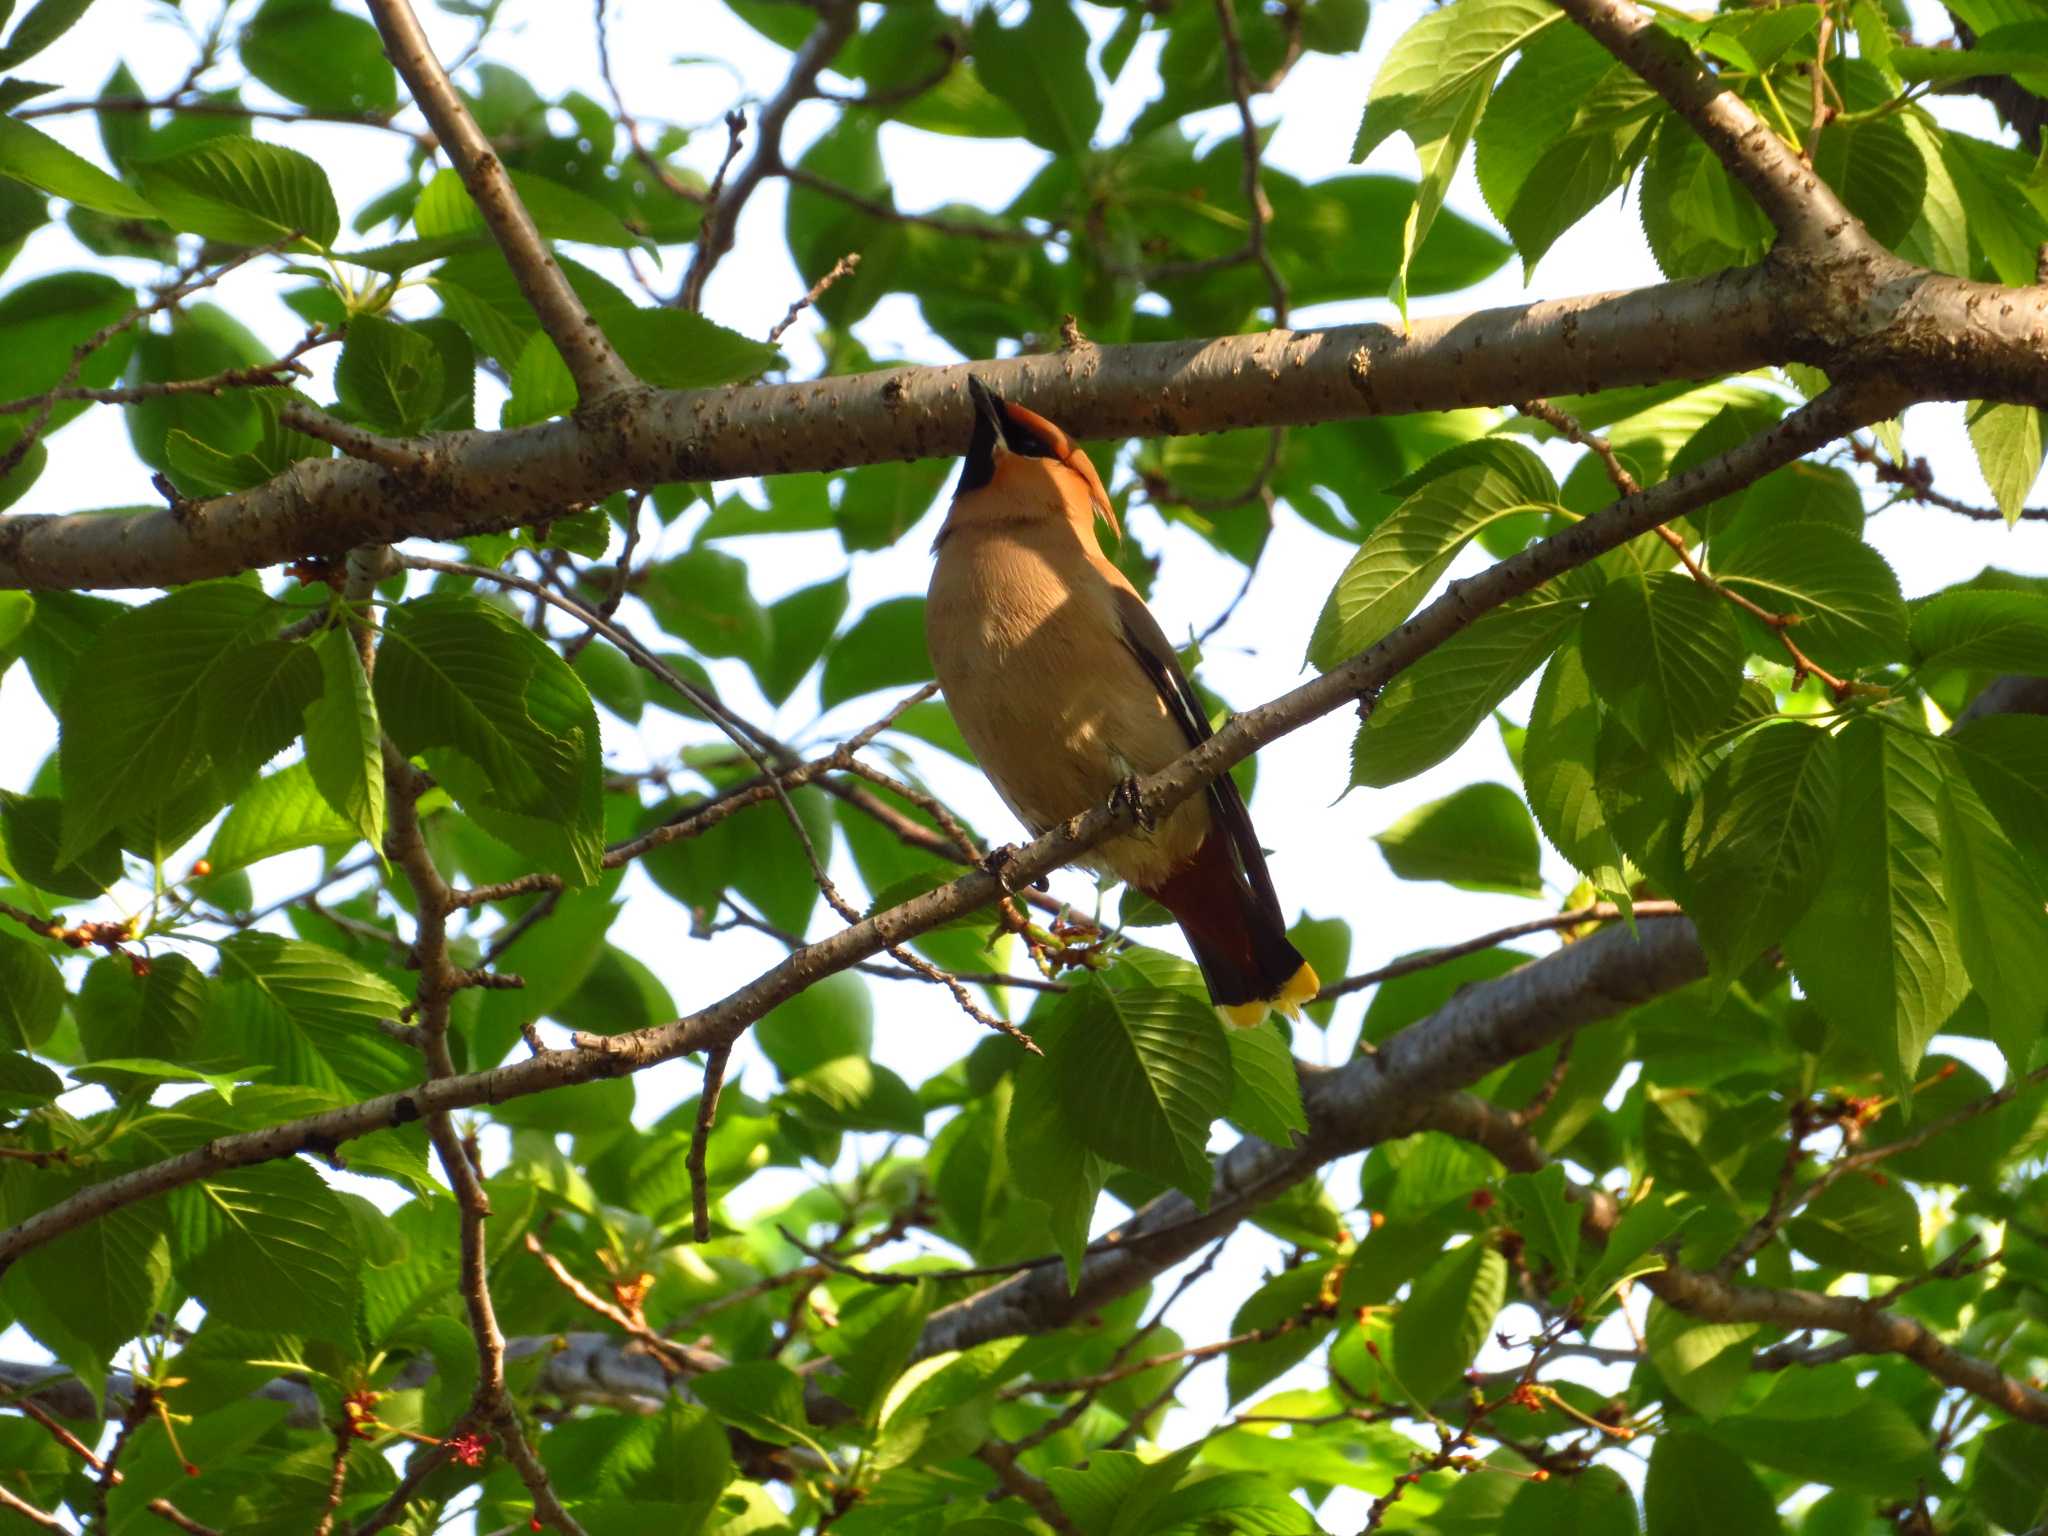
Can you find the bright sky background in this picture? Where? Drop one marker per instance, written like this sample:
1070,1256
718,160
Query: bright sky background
1323,860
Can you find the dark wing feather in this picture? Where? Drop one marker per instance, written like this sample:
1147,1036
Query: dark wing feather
1148,642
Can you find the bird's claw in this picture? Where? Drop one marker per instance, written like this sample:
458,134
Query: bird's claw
1126,799
997,862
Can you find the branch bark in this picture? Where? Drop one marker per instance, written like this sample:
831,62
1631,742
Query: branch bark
1929,335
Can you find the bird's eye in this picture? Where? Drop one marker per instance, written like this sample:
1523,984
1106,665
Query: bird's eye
1028,443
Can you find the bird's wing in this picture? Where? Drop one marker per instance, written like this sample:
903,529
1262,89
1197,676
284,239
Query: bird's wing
1148,643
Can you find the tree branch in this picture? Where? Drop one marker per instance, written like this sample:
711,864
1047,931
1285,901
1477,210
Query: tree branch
593,364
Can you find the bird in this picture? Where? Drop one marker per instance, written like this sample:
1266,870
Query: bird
1066,690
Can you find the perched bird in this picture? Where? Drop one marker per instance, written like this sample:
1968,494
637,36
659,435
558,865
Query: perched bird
1066,688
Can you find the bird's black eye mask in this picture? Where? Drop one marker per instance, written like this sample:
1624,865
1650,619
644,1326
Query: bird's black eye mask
992,423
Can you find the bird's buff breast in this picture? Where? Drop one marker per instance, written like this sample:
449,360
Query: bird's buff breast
1051,702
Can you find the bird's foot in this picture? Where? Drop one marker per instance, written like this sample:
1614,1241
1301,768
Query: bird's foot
997,862
1126,799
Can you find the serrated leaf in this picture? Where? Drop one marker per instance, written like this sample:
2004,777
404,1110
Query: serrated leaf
99,1282
1697,1487
256,1246
1663,653
884,648
1404,556
1705,1363
1766,833
1447,1317
1548,1220
1425,714
31,994
1145,1073
1558,759
313,1014
510,729
319,57
34,157
244,191
2010,441
2000,923
256,706
852,1093
1290,1297
760,1396
1877,950
1860,1223
1964,629
1440,57
1265,1096
389,374
30,826
1845,596
1592,1502
2002,755
276,814
131,740
1040,68
343,740
445,209
1479,838
1049,1162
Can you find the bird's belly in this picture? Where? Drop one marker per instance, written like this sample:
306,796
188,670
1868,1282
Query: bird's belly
1058,714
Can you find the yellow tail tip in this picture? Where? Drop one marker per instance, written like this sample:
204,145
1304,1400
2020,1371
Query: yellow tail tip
1298,989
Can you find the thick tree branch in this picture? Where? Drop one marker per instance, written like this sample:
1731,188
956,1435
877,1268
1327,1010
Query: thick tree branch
593,364
1837,412
1882,319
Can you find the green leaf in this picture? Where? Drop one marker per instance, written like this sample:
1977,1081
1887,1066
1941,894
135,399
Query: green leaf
1425,714
1558,760
46,21
1049,1162
313,1014
47,320
1699,1488
2010,442
1825,1428
852,1093
764,1399
121,1014
1663,653
1963,629
131,740
1477,839
1447,1317
98,1283
344,747
830,1019
244,191
31,994
885,648
1040,68
203,340
703,599
879,502
1591,1502
541,385
675,349
1877,950
29,830
1325,943
275,815
1294,1295
1145,1072
1766,832
1999,920
36,158
1704,1363
1403,558
256,706
26,1083
389,374
800,626
1548,1220
319,57
1862,1223
256,1246
1644,1224
2002,755
508,727
1265,1095
1447,53
1844,595
562,213
1697,218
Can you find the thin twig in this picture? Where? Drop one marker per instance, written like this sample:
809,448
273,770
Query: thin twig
840,268
1256,205
1595,912
662,175
700,1142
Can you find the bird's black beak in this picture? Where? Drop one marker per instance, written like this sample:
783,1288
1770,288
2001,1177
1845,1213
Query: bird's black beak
986,441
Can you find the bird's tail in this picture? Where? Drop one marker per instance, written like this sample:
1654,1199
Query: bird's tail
1239,940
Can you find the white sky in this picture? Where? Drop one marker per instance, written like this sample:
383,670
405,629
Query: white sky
1323,860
